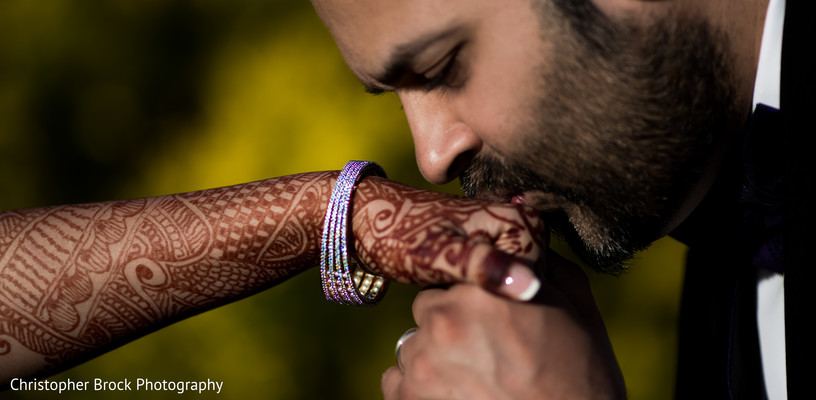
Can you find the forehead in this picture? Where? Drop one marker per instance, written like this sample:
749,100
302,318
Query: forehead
367,31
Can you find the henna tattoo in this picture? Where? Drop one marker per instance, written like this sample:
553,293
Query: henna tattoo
82,279
77,280
415,236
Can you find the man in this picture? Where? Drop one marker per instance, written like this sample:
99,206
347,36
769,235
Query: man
619,121
61,313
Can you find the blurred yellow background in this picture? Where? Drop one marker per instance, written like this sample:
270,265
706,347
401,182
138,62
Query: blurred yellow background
122,99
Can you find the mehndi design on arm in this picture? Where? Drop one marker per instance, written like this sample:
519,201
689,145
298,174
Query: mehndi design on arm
79,279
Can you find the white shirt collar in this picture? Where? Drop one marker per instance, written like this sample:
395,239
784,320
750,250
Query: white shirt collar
769,68
770,289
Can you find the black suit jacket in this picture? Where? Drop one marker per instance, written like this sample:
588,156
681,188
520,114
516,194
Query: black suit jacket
718,344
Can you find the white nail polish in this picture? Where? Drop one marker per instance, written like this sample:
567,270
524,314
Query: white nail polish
520,283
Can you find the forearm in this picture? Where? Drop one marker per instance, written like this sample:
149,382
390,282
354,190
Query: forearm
79,280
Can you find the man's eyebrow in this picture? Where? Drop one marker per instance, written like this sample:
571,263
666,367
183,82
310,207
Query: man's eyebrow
399,62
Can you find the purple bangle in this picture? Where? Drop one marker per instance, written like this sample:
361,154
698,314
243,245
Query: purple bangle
344,281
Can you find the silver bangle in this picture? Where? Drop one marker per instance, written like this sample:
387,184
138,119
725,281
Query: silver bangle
344,280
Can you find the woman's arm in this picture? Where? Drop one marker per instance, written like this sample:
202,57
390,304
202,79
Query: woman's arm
79,280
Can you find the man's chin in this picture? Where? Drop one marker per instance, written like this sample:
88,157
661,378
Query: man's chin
609,256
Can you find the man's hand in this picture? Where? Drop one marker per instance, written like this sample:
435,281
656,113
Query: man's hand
473,345
420,237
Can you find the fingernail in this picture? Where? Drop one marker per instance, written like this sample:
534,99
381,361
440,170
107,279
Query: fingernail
520,283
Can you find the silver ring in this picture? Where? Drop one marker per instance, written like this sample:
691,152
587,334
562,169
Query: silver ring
400,342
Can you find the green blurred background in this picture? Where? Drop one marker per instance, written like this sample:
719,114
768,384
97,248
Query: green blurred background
116,99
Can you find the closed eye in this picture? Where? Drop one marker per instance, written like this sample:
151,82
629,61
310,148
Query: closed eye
447,72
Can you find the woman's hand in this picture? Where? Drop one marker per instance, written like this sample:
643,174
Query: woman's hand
421,237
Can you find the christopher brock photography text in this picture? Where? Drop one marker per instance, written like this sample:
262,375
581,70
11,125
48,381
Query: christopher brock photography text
101,385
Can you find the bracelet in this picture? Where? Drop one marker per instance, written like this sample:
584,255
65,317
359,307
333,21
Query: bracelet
344,280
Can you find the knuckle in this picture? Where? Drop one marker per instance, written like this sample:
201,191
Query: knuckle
470,297
422,369
465,294
444,313
425,302
476,303
444,329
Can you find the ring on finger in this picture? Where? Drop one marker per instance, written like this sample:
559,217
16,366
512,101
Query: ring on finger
400,342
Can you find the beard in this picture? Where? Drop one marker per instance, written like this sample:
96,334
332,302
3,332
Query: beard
629,118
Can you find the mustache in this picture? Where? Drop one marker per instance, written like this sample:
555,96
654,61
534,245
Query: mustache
488,174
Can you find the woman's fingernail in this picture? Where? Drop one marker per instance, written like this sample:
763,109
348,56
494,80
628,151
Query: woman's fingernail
520,283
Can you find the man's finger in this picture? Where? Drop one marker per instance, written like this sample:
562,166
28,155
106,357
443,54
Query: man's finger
391,381
424,300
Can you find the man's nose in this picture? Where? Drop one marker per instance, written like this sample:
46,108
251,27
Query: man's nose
444,144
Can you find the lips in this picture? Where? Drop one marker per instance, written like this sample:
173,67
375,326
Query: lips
495,197
542,201
505,198
518,199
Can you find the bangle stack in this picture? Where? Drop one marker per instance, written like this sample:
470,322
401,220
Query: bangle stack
344,280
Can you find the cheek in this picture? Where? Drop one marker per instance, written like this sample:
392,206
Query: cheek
502,100
506,76
500,111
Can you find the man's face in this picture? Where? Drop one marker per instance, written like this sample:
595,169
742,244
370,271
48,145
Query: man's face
605,126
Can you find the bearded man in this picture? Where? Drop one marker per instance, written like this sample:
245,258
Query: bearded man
619,122
609,122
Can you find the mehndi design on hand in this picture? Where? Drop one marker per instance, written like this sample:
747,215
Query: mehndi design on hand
421,237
